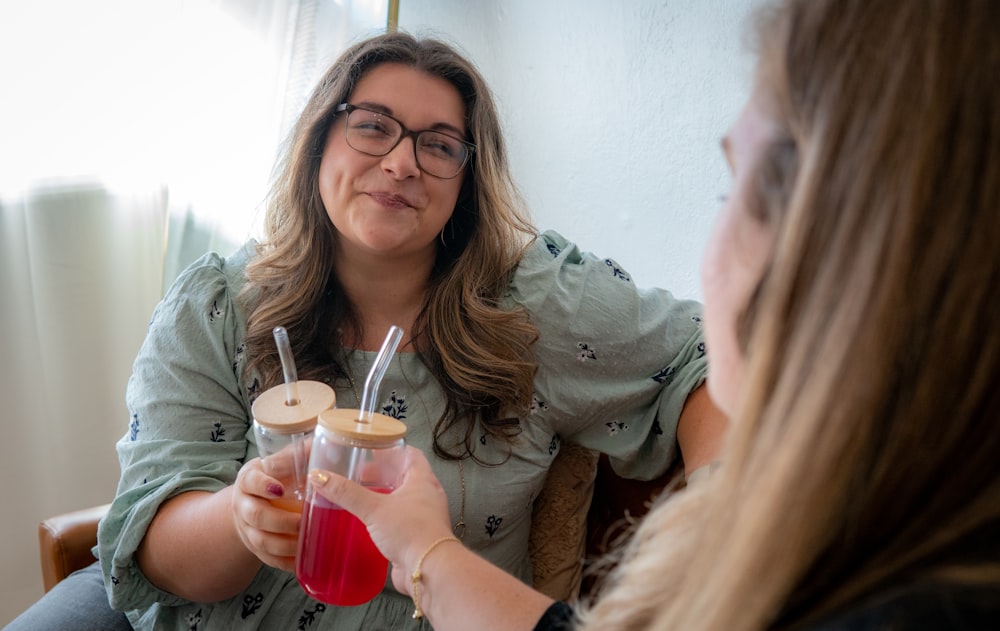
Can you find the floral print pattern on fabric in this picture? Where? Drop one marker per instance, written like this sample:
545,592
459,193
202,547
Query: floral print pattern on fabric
395,407
617,271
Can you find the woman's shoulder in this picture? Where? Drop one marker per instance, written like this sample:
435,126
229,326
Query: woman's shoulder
558,283
230,269
211,275
922,606
553,268
202,303
550,249
558,617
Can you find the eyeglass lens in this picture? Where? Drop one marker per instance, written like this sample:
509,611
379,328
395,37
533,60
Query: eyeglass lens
377,134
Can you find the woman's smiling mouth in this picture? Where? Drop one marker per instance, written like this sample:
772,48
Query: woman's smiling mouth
390,200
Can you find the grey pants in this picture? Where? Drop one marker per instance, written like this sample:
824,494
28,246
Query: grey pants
77,603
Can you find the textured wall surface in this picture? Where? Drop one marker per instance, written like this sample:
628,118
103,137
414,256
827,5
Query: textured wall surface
614,112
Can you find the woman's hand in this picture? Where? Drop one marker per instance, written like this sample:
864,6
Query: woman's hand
402,523
269,532
459,589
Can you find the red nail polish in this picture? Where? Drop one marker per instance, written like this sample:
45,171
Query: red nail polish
275,489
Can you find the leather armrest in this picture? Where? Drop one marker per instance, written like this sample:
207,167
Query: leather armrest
65,542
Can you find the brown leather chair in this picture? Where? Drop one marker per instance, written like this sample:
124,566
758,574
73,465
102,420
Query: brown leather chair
65,543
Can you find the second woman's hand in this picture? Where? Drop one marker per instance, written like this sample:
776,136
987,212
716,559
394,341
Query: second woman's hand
455,588
402,524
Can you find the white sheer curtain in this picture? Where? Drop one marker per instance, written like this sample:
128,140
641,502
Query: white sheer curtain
134,136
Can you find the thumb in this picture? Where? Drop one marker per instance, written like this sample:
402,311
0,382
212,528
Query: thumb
349,495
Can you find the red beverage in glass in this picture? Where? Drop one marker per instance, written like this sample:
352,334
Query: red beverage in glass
337,563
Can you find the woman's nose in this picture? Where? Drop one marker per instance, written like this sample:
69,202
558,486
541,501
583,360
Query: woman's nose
401,162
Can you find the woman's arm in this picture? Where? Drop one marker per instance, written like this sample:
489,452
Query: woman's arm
191,517
701,430
626,378
235,529
187,530
458,589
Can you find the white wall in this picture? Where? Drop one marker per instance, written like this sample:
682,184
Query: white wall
614,112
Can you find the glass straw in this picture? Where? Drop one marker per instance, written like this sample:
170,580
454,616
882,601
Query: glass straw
287,365
370,394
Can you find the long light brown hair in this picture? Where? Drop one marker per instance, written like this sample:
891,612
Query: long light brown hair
865,447
479,353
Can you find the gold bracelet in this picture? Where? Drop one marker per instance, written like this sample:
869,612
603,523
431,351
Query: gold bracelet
416,577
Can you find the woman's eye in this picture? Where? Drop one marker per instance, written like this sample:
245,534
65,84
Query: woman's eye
371,128
439,147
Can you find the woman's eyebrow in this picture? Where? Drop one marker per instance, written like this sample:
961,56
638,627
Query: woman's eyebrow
442,126
374,106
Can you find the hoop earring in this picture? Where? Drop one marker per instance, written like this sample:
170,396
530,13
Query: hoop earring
451,228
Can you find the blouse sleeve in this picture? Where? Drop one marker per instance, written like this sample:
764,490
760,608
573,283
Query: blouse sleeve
187,421
615,362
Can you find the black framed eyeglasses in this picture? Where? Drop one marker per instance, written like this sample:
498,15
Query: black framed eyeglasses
376,134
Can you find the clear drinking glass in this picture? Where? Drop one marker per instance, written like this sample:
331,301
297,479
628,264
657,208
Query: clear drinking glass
337,563
284,433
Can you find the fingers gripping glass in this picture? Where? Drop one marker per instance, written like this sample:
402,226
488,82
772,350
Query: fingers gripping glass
377,133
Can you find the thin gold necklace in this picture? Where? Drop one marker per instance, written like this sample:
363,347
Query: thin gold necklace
459,527
350,380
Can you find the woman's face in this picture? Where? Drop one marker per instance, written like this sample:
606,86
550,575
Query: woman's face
385,205
737,253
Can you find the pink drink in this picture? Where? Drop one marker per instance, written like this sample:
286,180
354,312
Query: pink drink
337,563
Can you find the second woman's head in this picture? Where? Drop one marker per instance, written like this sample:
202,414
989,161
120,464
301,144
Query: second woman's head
864,201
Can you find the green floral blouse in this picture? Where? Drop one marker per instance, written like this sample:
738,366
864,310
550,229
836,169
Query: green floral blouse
615,364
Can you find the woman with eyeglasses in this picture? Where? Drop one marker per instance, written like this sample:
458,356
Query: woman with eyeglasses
393,205
851,300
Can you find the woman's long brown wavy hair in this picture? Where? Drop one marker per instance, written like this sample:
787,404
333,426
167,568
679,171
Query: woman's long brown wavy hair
479,353
865,447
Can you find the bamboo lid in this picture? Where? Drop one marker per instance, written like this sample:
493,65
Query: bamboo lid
345,421
271,411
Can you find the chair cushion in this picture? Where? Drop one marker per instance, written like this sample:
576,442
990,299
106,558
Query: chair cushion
559,522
